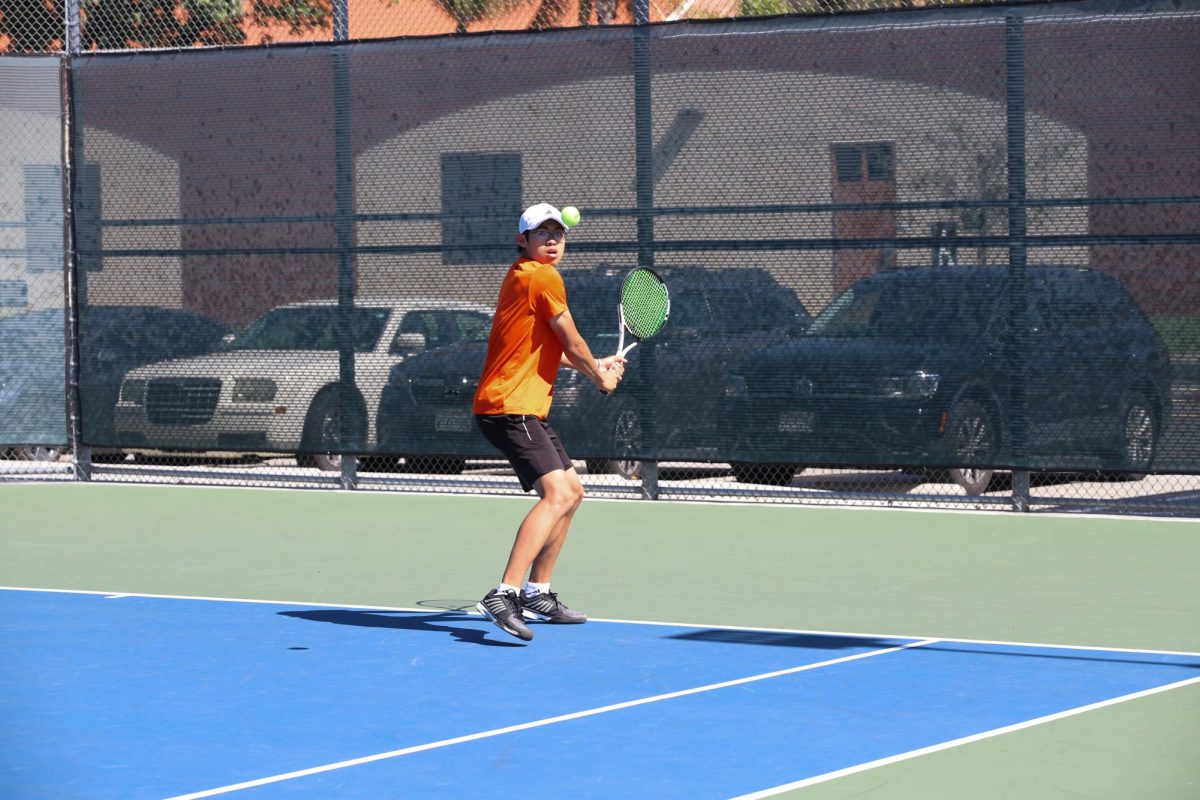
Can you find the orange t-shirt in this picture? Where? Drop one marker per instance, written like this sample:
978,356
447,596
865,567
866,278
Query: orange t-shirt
523,353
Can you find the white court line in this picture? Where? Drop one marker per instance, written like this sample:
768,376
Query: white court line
841,773
538,723
662,623
741,503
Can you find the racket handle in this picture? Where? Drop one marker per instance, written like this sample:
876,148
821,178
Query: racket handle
625,350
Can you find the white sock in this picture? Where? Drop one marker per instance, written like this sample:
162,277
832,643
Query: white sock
505,587
534,589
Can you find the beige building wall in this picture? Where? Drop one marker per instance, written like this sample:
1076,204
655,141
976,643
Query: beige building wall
580,151
141,280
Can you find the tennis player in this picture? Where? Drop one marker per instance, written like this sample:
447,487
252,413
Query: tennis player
532,336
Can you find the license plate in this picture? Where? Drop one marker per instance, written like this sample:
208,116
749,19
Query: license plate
454,420
796,422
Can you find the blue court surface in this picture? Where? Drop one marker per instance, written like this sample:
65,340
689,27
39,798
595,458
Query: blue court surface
129,696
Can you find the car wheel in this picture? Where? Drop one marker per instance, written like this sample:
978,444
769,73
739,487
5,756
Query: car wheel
435,465
322,429
766,474
38,453
326,462
1138,432
973,438
626,430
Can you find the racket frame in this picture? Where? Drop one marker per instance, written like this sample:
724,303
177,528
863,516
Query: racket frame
622,350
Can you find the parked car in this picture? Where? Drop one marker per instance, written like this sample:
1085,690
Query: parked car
33,395
116,339
913,368
112,341
274,387
716,316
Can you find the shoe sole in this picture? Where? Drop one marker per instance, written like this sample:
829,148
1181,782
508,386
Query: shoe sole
528,614
510,631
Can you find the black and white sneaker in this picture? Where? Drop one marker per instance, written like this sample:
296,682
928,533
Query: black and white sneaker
547,606
504,610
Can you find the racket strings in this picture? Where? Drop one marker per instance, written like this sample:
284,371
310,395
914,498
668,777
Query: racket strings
644,303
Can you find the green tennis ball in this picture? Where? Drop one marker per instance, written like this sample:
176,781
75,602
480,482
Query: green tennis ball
570,216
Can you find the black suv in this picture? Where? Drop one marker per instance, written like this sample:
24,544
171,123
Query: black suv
716,317
915,368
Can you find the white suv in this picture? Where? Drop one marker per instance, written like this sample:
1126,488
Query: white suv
274,386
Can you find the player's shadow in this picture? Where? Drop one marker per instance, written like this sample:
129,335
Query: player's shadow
406,621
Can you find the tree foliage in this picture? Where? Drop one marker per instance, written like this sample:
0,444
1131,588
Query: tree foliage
464,12
116,24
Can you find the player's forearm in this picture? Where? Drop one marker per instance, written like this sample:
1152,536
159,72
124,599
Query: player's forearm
577,355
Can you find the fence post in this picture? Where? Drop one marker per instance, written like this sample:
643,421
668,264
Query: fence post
344,156
75,279
71,24
644,148
1018,287
341,20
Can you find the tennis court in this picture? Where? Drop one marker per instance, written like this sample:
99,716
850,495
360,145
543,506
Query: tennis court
184,642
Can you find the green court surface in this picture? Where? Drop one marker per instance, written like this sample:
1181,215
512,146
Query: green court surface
1125,583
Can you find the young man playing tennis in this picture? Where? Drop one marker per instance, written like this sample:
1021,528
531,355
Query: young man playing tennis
532,336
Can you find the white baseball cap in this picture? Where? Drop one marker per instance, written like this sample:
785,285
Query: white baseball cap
537,214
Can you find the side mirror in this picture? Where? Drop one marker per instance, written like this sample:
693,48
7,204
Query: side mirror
407,344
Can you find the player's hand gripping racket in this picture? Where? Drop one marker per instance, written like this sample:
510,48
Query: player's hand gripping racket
643,309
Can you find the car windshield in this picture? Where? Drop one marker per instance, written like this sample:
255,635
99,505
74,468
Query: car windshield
311,328
754,309
896,310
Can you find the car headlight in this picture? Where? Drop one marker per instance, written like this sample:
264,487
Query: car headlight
916,385
133,391
253,390
735,386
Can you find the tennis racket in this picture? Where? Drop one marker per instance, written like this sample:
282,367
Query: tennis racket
643,309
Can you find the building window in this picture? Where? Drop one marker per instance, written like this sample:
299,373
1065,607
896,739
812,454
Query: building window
481,201
44,216
872,161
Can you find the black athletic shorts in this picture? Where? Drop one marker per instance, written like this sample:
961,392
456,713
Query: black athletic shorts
529,444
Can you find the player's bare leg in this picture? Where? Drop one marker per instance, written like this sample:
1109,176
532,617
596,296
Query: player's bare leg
537,548
544,529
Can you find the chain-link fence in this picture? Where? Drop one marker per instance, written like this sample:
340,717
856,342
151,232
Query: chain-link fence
36,26
33,346
939,257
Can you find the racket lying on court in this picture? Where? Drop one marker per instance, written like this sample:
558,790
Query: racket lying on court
643,308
